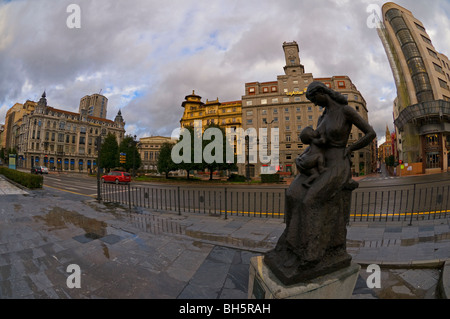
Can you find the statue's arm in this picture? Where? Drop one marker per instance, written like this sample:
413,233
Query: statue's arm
364,126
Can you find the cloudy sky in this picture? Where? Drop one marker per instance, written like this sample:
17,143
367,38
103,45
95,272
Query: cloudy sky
147,55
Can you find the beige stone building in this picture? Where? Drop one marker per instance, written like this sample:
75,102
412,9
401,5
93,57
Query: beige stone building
58,139
96,105
224,114
149,148
283,104
422,78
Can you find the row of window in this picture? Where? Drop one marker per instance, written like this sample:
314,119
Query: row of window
61,148
289,99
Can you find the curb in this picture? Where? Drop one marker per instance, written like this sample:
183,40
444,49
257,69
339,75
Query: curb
444,281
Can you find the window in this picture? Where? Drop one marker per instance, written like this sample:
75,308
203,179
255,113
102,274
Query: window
250,122
288,146
286,100
289,156
264,112
438,68
299,118
443,84
287,118
341,84
420,27
275,111
62,125
288,138
274,101
249,113
426,39
266,90
274,89
433,54
248,103
309,109
264,101
251,90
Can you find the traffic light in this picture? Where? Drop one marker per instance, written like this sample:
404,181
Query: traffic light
123,158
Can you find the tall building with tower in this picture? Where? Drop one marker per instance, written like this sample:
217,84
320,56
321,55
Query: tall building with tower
282,105
422,77
96,105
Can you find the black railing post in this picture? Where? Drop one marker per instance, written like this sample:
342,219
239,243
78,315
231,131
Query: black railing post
413,201
226,203
178,200
129,196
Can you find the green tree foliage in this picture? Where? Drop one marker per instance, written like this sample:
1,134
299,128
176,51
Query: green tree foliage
165,163
390,160
191,166
129,147
221,163
109,153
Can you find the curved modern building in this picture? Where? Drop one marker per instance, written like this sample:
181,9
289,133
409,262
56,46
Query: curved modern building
422,77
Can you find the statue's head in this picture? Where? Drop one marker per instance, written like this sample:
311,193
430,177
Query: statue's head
307,135
319,87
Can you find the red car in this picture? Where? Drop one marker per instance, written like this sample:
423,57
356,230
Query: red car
117,177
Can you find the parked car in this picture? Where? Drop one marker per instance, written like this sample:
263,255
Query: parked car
117,177
36,170
44,170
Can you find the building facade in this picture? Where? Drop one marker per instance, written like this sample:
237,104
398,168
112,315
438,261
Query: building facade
224,114
149,148
422,77
96,105
282,105
386,149
58,139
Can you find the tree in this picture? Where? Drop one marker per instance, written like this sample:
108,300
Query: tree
216,148
165,163
133,158
188,164
109,153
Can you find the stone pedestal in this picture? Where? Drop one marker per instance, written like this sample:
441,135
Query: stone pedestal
263,284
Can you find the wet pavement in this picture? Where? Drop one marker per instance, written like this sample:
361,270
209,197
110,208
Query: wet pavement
145,254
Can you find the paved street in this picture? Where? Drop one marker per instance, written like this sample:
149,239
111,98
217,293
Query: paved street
148,255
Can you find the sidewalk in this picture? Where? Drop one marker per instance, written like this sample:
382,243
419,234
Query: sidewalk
147,254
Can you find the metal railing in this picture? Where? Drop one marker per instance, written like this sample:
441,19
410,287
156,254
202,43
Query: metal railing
414,202
402,203
227,201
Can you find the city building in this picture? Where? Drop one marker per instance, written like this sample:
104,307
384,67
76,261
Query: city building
224,114
422,77
58,139
96,105
386,149
283,104
149,148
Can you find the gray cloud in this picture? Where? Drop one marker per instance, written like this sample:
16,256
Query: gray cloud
146,56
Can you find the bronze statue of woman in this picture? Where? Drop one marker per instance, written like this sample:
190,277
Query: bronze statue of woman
314,241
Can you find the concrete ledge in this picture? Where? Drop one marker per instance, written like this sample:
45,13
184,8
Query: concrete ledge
444,282
263,284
